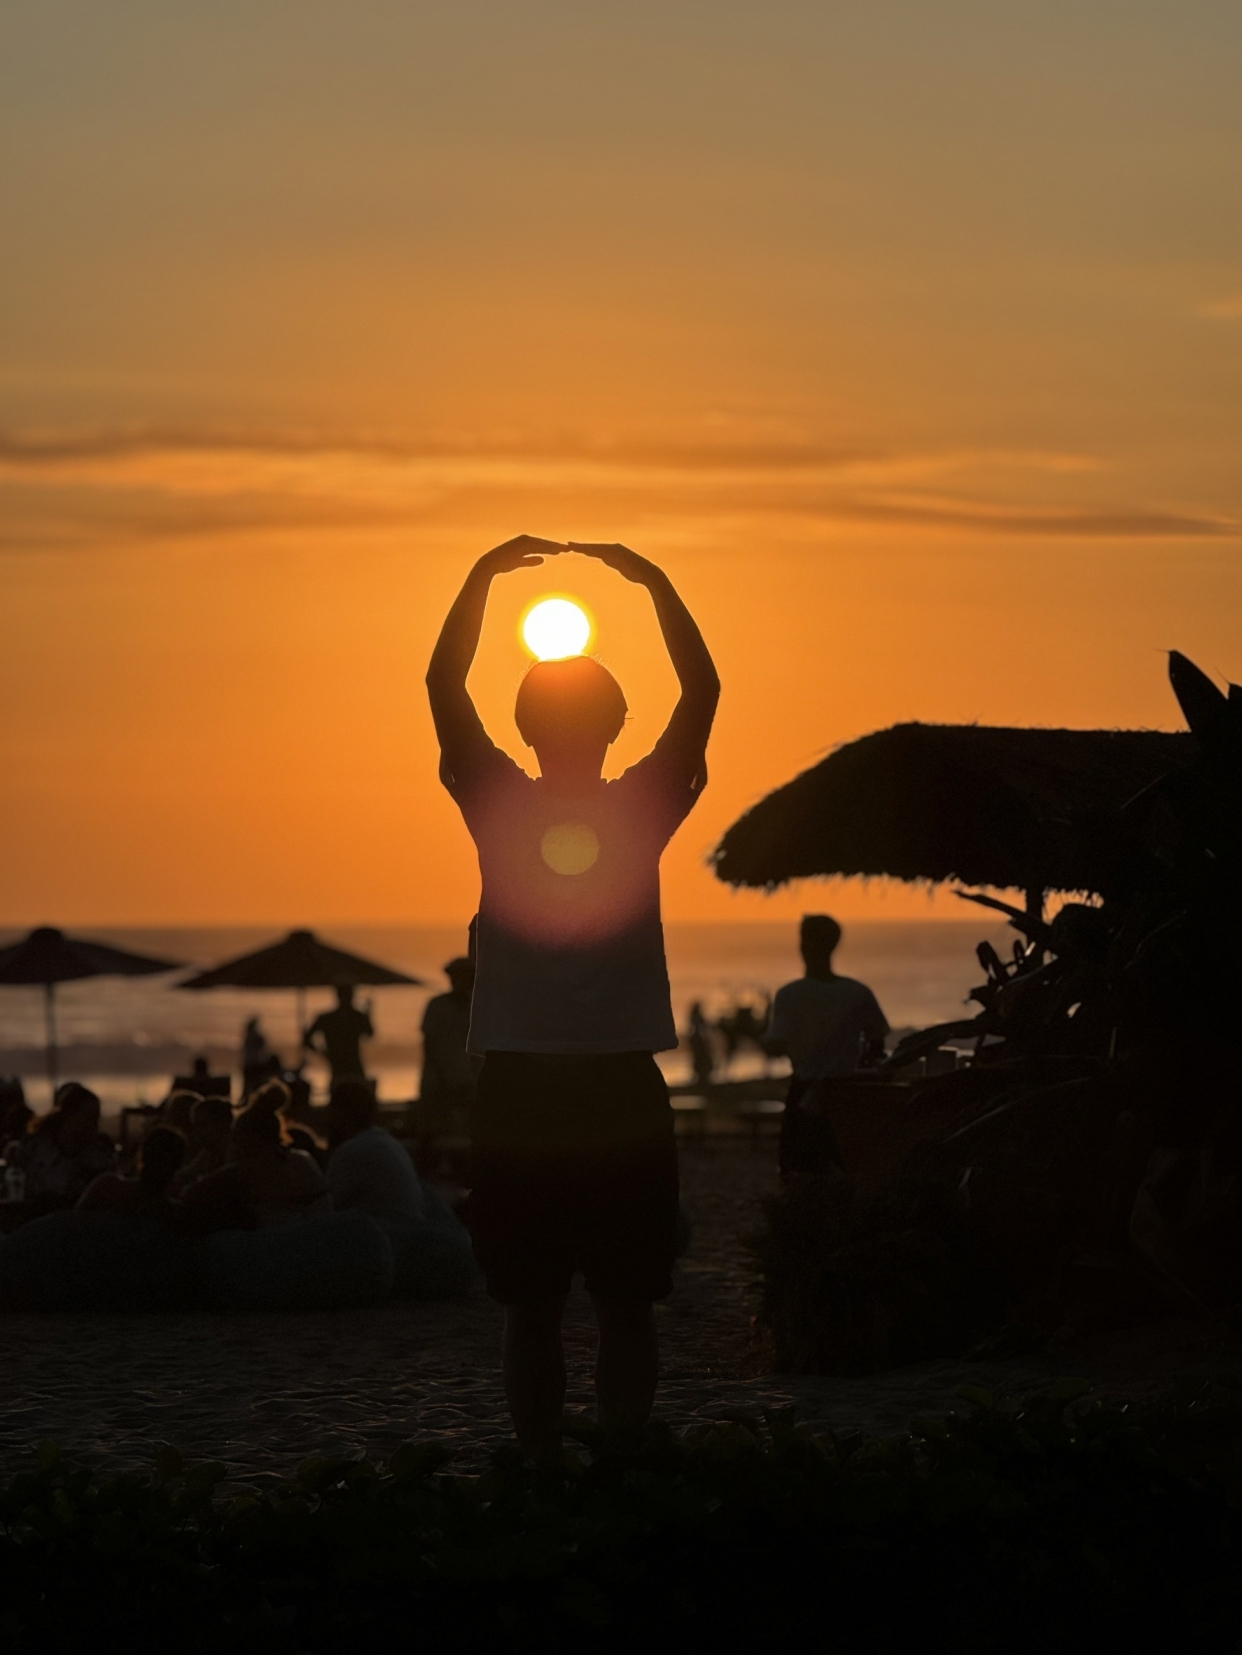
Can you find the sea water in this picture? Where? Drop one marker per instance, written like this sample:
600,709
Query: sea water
127,1037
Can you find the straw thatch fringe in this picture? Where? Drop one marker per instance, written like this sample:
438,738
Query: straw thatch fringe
1010,808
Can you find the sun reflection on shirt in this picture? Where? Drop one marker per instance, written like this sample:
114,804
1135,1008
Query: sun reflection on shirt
570,847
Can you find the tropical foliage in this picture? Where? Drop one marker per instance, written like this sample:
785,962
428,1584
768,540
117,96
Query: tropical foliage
1021,1524
1087,1162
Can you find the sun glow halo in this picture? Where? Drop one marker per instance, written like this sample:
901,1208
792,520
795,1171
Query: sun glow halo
555,628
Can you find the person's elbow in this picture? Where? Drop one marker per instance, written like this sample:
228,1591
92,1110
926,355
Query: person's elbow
703,695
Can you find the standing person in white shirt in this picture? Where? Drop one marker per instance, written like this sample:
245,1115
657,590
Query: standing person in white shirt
826,1025
574,1166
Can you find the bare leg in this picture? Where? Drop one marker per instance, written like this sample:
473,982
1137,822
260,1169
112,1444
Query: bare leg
534,1369
627,1365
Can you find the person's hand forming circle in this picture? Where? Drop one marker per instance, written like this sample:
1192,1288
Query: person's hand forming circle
628,564
524,551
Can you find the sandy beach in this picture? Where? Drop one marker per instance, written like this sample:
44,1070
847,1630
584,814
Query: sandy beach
260,1392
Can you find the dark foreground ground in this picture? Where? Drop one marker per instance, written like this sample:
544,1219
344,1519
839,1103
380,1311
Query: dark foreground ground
260,1392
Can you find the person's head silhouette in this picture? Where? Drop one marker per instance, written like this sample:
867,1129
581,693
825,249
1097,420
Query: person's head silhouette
159,1161
345,995
258,1131
818,937
73,1119
570,712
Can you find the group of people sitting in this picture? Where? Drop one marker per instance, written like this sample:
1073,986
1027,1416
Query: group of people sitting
204,1168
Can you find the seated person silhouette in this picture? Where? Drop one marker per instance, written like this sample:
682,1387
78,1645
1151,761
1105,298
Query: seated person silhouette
211,1122
826,1025
150,1193
574,1165
63,1151
342,1031
265,1182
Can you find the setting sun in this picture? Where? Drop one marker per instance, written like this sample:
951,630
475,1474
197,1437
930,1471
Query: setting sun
555,628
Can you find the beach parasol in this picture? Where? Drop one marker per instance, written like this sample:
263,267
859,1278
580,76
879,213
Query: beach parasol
48,956
299,961
1011,808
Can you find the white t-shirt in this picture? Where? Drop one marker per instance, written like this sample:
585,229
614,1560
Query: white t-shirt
570,954
820,1021
373,1172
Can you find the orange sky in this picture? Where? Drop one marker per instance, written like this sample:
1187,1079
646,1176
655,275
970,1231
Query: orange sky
908,336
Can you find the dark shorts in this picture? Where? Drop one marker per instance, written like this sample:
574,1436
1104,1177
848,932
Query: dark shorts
574,1167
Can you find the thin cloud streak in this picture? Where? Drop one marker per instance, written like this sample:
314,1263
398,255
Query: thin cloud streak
36,453
77,489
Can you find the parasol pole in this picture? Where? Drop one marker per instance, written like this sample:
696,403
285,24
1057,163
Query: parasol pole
300,991
49,1013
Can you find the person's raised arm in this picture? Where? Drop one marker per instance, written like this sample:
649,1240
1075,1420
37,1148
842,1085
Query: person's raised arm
691,723
457,723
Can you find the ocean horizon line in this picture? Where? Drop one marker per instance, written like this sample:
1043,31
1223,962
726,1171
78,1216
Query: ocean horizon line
20,927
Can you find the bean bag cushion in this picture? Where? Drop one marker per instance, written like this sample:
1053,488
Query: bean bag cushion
434,1259
333,1262
95,1261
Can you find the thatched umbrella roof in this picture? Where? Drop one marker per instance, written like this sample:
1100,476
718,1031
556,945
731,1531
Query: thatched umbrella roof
1025,809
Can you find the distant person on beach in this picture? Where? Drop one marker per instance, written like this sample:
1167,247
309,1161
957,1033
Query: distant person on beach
341,1032
826,1025
699,1039
446,1089
257,1057
149,1193
64,1150
574,1164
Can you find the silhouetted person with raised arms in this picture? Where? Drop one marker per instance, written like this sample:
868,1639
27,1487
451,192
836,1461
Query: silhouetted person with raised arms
826,1025
574,1163
342,1031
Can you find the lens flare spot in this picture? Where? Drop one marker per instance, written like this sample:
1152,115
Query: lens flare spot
555,628
570,848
